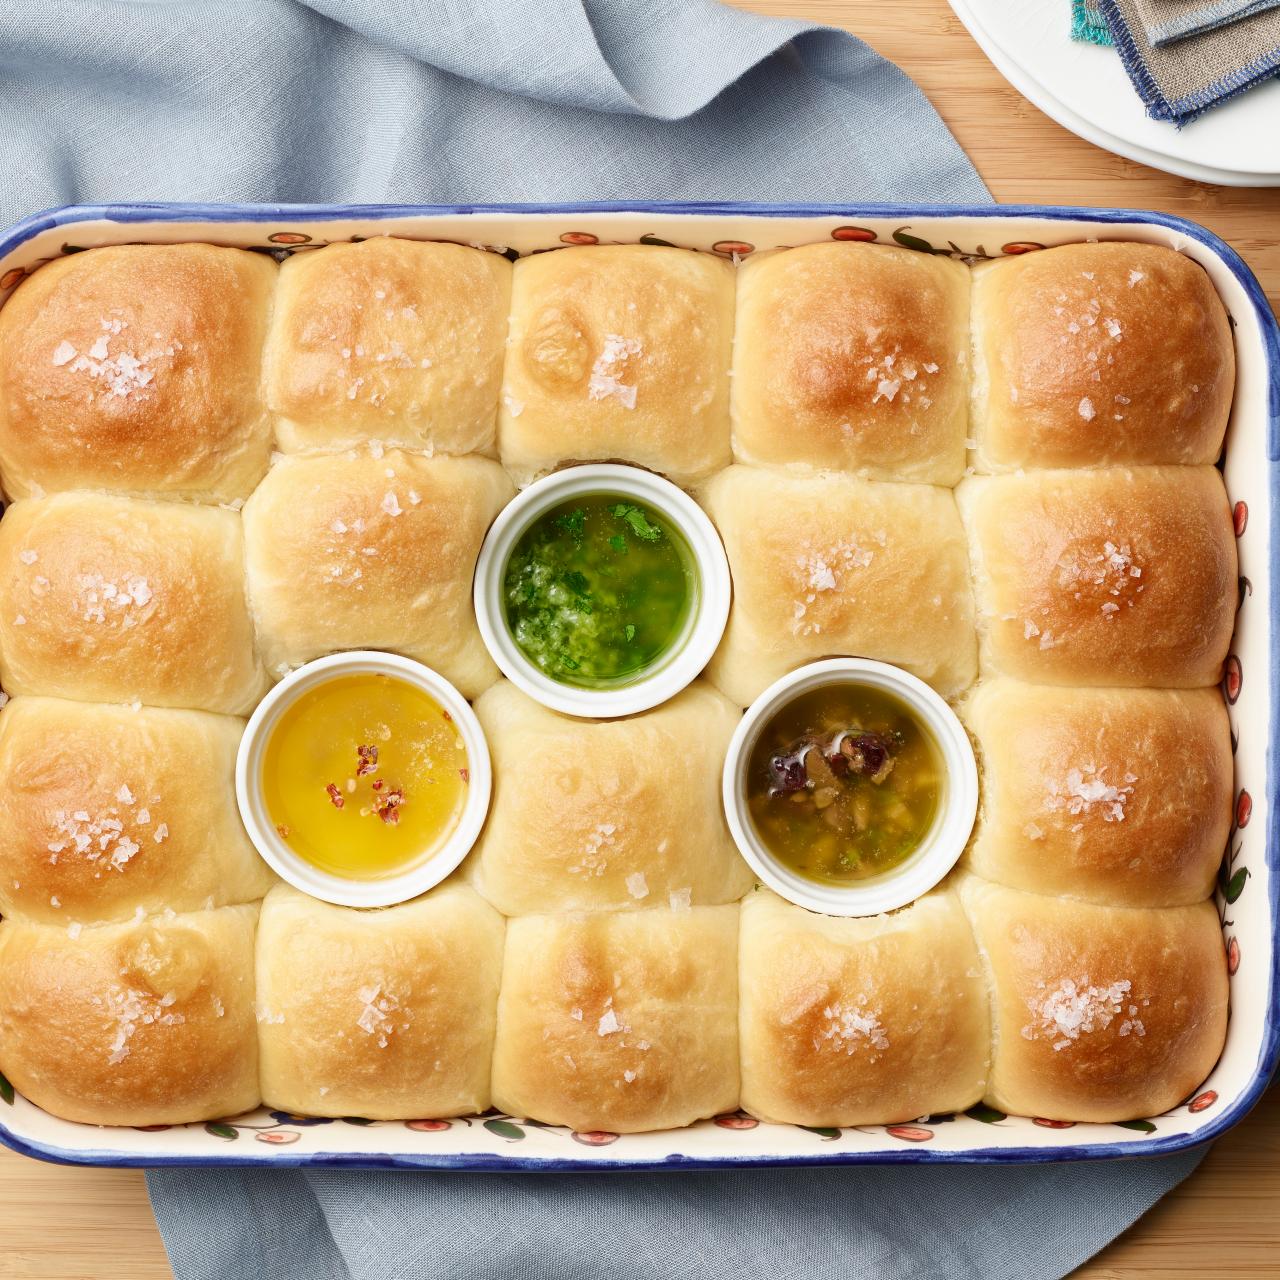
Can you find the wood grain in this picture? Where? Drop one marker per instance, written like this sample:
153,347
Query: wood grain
68,1223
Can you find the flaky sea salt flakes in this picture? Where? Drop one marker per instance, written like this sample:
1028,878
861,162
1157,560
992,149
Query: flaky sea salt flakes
513,406
849,1027
162,833
637,885
63,353
608,1023
1136,277
27,556
1086,789
680,899
605,382
1072,1008
1086,409
391,504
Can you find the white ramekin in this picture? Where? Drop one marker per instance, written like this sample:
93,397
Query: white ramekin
942,844
703,628
323,884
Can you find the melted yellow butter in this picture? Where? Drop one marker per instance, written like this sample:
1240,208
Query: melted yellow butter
365,776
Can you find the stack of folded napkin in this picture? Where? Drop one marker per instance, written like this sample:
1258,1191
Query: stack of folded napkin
1186,56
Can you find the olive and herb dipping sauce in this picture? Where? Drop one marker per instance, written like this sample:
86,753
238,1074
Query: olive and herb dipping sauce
843,783
598,589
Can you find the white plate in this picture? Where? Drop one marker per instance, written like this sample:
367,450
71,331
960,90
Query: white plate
1085,89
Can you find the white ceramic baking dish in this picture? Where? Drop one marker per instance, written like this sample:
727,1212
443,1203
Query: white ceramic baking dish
1247,899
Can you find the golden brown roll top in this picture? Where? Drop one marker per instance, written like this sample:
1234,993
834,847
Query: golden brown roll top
1097,354
622,1021
860,1021
137,368
853,356
618,352
1120,796
353,551
105,811
149,1022
1110,577
1101,1013
832,564
115,600
393,340
384,1014
607,814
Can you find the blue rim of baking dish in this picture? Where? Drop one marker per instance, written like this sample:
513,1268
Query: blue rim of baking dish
1269,1053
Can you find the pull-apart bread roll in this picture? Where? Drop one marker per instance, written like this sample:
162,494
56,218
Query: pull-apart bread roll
384,1014
622,1021
149,1022
853,356
105,810
118,600
390,340
1096,354
137,368
618,353
1111,577
832,564
860,1021
349,552
595,814
1120,796
1101,1013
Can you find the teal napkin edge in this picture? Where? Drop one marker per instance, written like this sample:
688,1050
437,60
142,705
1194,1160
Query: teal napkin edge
1088,26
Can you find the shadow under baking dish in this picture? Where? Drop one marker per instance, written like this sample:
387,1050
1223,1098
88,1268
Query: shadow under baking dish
1248,889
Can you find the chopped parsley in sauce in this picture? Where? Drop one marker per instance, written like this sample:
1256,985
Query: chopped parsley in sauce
598,589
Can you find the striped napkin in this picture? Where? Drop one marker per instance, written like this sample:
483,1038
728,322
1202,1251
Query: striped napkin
1185,56
1182,80
1167,21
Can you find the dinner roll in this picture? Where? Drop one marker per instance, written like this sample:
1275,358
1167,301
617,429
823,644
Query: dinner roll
618,352
148,1022
860,1021
1113,577
831,564
105,810
853,356
352,551
1095,354
1101,1013
621,1021
117,600
391,340
594,814
1120,796
137,368
383,1014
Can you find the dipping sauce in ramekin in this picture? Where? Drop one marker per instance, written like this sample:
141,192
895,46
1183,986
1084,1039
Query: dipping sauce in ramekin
602,590
363,778
850,787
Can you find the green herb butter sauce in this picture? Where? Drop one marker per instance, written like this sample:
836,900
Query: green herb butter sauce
598,589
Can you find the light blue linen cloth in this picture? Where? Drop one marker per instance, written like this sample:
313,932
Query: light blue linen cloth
528,100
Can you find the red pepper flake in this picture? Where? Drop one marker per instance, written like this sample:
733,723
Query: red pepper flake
388,804
447,716
377,784
282,830
465,774
335,795
368,760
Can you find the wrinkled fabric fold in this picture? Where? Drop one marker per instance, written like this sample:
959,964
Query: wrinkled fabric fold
420,101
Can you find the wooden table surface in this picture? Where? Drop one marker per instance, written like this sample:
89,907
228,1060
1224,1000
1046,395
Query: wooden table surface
67,1224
